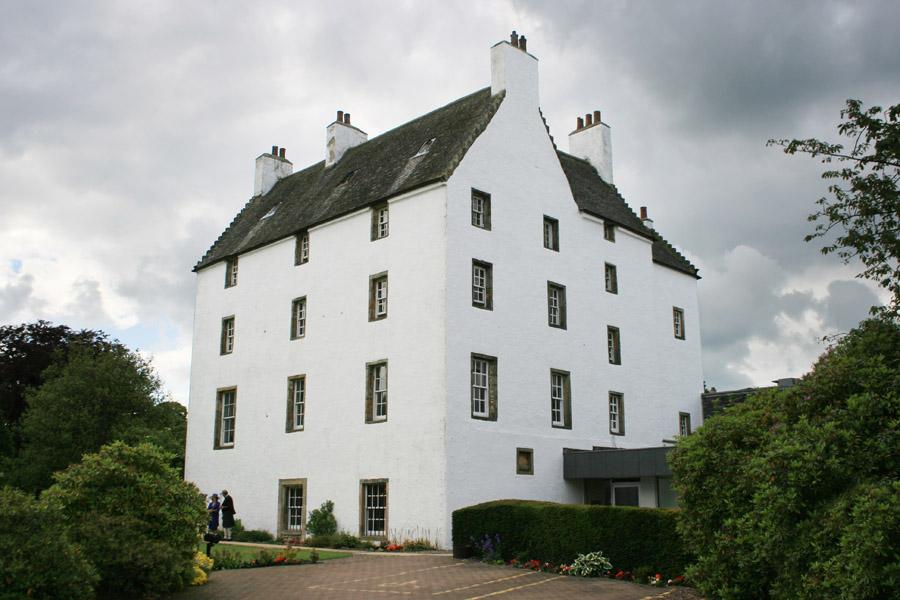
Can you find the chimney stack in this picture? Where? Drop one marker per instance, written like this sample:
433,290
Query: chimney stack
340,136
647,221
270,168
515,71
591,141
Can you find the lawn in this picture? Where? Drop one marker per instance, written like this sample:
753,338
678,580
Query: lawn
251,552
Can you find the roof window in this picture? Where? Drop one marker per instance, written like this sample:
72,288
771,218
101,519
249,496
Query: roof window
271,212
425,148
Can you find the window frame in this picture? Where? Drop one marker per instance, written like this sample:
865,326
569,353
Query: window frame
620,412
374,281
681,421
529,469
488,288
611,278
678,322
364,531
561,304
486,209
284,507
291,421
231,272
490,399
227,340
219,429
622,485
380,229
301,248
371,391
298,326
565,399
609,231
613,345
551,225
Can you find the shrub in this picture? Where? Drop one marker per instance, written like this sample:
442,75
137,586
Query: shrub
593,564
253,535
37,559
322,521
557,533
135,518
794,494
342,539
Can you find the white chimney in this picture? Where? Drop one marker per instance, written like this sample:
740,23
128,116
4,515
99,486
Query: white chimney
591,141
340,136
269,169
514,70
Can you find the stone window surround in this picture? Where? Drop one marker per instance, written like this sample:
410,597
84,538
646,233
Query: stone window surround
226,343
290,422
566,407
488,303
678,322
611,278
684,423
298,328
373,300
486,209
528,469
218,426
380,221
492,395
551,233
362,508
231,272
283,485
620,414
561,304
614,345
301,248
370,391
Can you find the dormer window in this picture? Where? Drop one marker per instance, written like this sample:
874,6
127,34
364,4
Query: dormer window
425,148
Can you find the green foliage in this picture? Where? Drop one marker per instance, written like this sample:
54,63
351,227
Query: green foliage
865,207
252,535
593,564
95,397
557,533
794,494
135,518
37,558
322,521
342,539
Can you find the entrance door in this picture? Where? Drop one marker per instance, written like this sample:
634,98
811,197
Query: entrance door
625,494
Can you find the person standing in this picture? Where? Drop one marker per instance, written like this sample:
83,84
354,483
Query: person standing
213,509
227,513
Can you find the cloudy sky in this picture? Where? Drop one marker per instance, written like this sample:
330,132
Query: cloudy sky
128,132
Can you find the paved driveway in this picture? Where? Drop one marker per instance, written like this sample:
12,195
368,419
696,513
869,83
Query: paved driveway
410,577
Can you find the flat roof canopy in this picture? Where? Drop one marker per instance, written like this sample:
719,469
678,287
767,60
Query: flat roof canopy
616,463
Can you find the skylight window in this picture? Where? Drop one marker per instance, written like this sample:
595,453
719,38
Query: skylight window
270,213
425,148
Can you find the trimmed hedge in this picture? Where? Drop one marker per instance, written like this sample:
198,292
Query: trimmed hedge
630,537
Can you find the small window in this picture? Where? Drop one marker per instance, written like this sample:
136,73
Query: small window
231,272
301,248
378,296
226,418
612,280
626,493
227,343
481,209
484,387
613,345
616,413
296,403
292,507
376,392
380,222
482,285
373,508
423,150
271,212
551,233
560,400
556,305
678,322
684,423
524,461
609,231
298,318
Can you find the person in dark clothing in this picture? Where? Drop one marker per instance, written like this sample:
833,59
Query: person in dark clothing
227,513
213,509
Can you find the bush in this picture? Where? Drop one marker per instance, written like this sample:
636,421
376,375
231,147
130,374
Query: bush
557,533
322,521
593,564
341,539
37,559
253,535
135,518
794,494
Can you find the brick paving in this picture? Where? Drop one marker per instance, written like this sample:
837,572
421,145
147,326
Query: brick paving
410,577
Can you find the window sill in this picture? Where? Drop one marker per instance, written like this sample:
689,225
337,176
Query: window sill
223,447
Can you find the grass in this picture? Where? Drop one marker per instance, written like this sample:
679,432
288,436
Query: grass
251,552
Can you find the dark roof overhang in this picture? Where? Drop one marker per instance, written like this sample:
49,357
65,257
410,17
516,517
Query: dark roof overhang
616,463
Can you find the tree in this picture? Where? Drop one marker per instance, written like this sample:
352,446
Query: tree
95,397
25,352
796,493
865,207
134,517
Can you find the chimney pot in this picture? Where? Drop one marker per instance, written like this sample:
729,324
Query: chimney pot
588,120
579,124
522,43
340,116
643,213
597,117
514,38
347,118
274,150
281,153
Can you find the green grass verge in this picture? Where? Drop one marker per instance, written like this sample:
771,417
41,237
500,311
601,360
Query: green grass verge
251,552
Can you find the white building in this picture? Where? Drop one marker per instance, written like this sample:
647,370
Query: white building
428,319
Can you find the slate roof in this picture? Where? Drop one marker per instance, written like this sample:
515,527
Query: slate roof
369,173
386,166
600,199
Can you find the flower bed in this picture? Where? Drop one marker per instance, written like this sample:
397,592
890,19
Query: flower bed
593,564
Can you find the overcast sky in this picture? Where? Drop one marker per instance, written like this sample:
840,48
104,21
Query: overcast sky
128,132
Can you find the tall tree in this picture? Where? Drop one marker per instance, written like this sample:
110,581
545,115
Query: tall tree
864,207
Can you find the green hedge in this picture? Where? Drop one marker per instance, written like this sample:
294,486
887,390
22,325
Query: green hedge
630,537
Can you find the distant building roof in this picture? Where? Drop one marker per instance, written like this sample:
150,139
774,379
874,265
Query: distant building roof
715,402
